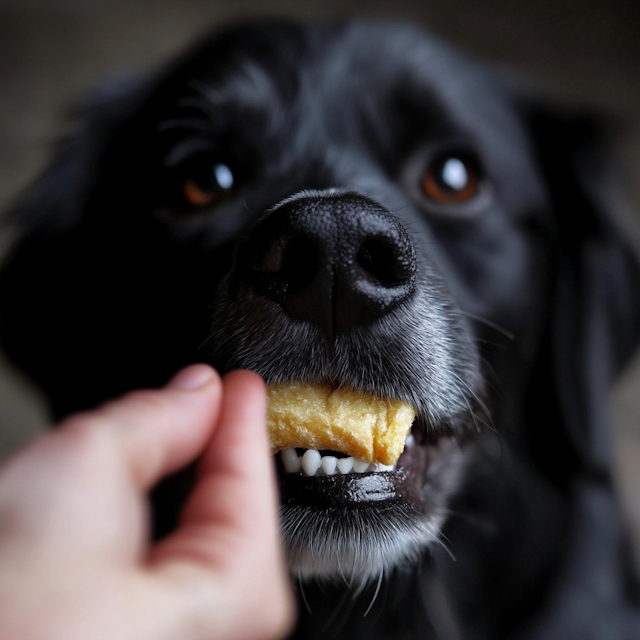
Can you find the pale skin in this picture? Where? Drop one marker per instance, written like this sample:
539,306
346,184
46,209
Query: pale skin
76,561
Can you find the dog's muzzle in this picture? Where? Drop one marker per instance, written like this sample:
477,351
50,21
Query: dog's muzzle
327,288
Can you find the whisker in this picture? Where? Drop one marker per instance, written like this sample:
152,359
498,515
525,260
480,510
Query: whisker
360,589
302,593
471,412
404,206
375,595
490,324
490,343
475,396
332,620
440,539
205,343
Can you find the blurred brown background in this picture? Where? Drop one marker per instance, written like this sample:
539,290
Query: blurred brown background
583,54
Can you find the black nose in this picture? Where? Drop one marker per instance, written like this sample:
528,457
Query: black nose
336,260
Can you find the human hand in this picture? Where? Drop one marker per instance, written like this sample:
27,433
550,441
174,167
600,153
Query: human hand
75,558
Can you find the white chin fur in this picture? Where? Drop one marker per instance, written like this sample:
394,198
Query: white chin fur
359,551
351,545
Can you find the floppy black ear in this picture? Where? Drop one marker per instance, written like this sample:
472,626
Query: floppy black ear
42,285
54,202
595,315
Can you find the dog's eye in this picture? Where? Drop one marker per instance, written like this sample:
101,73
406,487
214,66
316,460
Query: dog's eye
207,189
452,179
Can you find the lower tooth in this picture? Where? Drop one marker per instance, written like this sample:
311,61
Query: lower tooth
345,465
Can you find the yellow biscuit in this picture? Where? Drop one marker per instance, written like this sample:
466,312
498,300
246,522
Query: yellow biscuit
316,416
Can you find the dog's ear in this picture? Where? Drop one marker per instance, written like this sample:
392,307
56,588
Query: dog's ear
595,315
54,203
43,291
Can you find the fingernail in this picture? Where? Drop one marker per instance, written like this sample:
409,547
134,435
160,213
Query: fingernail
192,378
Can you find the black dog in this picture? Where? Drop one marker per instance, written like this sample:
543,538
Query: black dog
359,205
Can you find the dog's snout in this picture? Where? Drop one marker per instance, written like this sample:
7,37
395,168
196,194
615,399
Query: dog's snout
337,261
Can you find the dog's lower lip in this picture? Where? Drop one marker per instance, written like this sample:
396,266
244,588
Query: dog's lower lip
344,490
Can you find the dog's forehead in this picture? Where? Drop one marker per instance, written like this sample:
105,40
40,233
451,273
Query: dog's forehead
345,71
351,64
337,80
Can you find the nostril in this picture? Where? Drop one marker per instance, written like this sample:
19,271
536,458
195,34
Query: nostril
291,259
271,260
380,259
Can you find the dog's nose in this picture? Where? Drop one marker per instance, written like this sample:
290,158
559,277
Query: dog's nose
336,260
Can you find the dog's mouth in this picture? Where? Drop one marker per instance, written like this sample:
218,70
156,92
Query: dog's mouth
329,478
350,517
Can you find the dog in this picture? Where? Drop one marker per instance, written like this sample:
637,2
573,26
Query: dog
362,206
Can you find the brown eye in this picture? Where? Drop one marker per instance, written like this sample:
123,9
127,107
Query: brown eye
206,190
453,179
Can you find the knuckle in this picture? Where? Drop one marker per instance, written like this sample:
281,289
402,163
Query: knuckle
145,402
85,433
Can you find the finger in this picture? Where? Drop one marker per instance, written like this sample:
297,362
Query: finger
237,467
229,537
158,431
234,503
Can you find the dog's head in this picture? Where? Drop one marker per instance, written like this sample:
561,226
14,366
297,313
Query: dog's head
353,205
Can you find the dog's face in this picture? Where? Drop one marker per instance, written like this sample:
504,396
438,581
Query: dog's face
352,205
369,218
375,214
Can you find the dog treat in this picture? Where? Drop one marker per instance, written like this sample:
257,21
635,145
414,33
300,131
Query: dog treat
316,416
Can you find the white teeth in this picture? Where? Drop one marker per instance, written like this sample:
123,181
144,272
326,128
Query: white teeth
290,460
345,465
311,462
360,466
329,464
410,441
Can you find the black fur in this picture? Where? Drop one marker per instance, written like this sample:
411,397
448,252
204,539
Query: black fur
503,319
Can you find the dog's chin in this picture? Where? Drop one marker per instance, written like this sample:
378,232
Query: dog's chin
353,527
